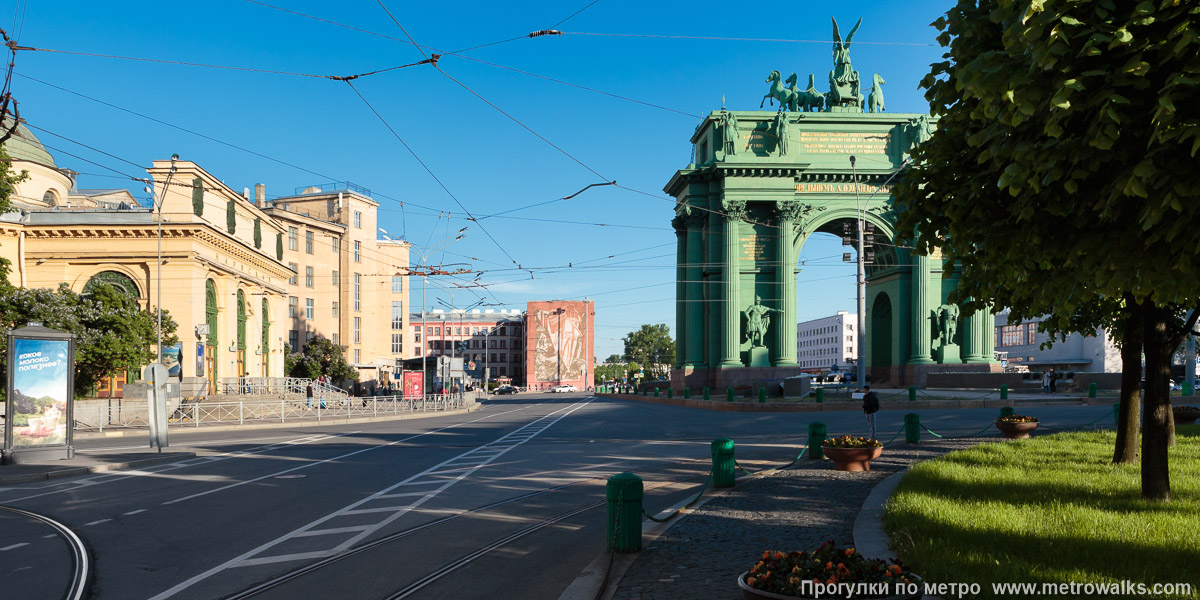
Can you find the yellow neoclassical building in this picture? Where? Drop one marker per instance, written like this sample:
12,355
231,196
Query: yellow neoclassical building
246,279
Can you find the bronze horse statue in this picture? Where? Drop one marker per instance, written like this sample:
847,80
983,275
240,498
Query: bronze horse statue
811,99
788,97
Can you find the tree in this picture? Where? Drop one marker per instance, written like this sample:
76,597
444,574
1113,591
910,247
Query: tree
112,333
320,357
8,183
1062,177
612,359
651,346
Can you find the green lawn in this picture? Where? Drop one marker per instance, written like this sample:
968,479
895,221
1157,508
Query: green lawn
1048,509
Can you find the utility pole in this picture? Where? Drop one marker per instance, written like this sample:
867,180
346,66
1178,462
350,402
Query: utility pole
162,197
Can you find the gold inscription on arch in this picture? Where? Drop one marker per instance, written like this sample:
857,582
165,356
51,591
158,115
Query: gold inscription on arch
840,188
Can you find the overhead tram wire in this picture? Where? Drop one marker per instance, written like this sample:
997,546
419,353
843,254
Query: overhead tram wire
574,14
429,171
739,39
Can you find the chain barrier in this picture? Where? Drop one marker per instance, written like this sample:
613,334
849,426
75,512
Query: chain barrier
752,473
1105,416
678,510
898,432
954,437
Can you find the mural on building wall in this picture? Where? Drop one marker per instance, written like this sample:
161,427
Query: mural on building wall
559,333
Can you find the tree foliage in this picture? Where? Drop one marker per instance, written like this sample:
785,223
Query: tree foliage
651,346
1063,176
113,333
320,357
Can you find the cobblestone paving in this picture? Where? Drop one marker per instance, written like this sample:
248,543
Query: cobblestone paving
701,556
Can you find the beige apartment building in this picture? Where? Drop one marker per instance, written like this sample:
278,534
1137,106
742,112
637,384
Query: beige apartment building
246,279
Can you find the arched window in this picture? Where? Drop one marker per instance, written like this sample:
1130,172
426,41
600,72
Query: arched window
50,197
122,282
212,339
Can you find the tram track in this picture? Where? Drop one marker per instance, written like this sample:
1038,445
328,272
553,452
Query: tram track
80,563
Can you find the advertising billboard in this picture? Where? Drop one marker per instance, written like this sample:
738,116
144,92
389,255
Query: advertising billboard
40,399
414,388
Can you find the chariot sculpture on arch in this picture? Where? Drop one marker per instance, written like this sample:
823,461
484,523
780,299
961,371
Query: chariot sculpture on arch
844,83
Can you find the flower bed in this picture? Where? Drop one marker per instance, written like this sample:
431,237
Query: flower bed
1186,415
846,441
805,574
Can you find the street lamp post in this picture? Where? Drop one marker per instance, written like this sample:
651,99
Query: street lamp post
161,198
861,286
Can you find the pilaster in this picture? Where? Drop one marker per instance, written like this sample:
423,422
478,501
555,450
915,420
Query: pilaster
680,289
694,344
922,336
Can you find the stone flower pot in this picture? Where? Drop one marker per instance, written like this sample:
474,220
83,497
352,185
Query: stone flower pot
749,593
1184,416
1016,430
852,459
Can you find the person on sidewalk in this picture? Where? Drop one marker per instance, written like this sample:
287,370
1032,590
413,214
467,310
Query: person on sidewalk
309,392
870,407
1046,381
1053,381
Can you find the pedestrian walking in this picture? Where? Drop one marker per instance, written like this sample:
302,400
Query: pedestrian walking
309,392
1053,381
1046,381
870,407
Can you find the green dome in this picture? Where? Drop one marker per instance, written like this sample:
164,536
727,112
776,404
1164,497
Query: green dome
23,145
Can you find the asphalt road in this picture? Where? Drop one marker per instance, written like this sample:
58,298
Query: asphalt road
506,501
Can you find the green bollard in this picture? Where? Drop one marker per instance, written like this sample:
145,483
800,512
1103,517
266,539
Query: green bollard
655,392
707,395
820,394
912,428
729,394
912,393
1004,391
1187,388
816,439
1006,411
687,392
722,463
624,494
670,392
762,395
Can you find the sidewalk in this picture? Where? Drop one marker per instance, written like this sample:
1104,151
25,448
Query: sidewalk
702,554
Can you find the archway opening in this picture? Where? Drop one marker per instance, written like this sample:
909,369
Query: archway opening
241,334
212,339
881,357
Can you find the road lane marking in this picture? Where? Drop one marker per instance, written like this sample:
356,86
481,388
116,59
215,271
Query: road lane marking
14,546
313,464
134,512
77,484
248,559
96,522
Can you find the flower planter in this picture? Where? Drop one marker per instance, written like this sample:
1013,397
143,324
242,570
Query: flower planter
1184,416
1016,430
852,459
749,593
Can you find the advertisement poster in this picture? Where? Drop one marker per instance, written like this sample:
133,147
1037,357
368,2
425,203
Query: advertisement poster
413,387
40,393
199,359
172,358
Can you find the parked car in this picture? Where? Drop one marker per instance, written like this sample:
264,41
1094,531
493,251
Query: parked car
505,389
564,388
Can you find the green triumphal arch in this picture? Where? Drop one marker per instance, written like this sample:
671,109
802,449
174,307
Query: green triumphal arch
762,182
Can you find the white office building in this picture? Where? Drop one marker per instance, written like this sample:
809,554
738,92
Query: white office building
1019,347
823,343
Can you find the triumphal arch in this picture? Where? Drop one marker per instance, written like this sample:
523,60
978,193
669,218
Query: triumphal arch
761,184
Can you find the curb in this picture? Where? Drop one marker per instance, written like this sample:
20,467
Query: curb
600,579
72,471
178,429
869,537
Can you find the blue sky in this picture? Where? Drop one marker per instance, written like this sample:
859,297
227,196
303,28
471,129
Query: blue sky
491,158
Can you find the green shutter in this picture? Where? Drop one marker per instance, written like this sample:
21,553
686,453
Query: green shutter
257,232
279,246
231,216
198,196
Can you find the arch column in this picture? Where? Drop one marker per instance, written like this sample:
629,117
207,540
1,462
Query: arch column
974,341
694,345
785,275
922,338
732,270
680,290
